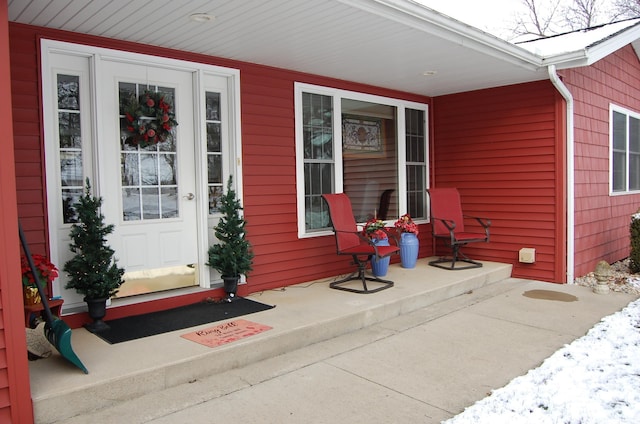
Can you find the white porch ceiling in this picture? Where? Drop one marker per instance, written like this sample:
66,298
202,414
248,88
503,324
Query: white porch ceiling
386,43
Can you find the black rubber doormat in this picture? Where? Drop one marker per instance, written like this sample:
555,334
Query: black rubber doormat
151,324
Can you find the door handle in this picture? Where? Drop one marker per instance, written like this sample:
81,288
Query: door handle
189,196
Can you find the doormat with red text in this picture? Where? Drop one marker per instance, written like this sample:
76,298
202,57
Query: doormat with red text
226,333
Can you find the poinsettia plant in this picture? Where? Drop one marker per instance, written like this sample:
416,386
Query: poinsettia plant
374,229
47,272
405,224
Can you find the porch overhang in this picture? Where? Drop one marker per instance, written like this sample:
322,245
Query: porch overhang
396,44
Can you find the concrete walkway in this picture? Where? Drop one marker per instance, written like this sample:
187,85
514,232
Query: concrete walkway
423,366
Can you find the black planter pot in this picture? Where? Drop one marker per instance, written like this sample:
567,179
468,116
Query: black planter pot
230,286
97,310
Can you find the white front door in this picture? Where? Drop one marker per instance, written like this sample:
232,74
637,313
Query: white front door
162,199
149,192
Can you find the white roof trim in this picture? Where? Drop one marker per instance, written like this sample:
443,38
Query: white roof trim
583,48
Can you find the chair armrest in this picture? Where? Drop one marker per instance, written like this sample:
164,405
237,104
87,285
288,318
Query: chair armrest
486,223
361,236
451,225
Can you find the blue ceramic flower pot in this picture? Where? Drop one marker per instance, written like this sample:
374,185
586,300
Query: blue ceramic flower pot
380,266
409,247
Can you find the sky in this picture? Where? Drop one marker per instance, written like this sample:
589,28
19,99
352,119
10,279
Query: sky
493,16
594,380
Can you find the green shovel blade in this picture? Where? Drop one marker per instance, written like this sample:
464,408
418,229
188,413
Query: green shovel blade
59,335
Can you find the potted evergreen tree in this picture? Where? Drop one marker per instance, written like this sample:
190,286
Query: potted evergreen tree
93,270
232,255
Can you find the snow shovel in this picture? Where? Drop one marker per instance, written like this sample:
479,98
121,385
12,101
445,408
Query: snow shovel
56,331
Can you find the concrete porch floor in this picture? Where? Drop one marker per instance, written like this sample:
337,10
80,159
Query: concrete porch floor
304,314
419,352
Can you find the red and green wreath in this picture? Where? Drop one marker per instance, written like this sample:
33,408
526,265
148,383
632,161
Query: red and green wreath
149,120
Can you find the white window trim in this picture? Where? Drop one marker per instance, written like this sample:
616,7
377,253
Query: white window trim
628,113
337,95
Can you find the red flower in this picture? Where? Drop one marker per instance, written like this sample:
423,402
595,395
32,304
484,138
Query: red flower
150,102
374,228
406,225
129,117
151,133
165,117
46,270
166,126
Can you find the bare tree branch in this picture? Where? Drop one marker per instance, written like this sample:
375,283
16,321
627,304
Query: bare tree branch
627,8
539,18
548,17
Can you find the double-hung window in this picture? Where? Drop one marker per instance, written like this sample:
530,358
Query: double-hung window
625,150
372,148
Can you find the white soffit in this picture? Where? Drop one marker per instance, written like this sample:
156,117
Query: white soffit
396,44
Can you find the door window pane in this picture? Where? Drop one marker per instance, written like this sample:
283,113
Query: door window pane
69,144
150,203
131,208
148,174
69,129
169,202
69,198
70,168
214,149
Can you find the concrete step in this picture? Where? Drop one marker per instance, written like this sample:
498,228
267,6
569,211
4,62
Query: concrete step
304,314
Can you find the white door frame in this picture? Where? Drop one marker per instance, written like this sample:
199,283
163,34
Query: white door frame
95,55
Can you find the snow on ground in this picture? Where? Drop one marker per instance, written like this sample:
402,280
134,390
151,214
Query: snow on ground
594,380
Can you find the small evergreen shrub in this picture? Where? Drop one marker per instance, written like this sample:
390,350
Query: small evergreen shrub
634,257
93,270
232,255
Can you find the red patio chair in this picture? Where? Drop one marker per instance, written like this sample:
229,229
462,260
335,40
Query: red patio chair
447,222
350,241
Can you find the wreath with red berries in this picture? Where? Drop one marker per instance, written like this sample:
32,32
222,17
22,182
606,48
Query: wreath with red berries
149,120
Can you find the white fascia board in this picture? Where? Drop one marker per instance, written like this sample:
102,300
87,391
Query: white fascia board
598,51
568,60
605,48
422,18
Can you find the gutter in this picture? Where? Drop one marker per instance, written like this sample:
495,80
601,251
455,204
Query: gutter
564,91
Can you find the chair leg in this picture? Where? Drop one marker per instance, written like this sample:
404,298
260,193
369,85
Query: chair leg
361,275
457,256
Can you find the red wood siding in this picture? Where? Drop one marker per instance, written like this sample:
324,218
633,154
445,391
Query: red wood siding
15,392
269,173
499,148
27,140
602,221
